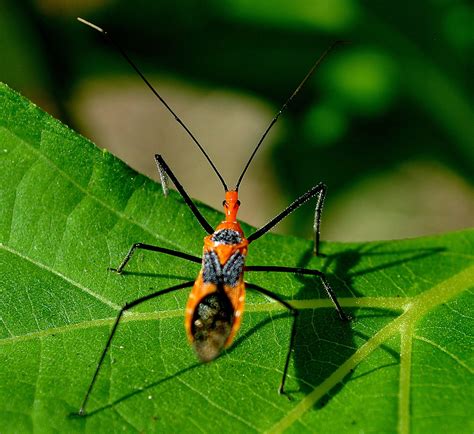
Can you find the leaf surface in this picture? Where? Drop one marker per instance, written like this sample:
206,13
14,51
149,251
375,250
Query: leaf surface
69,211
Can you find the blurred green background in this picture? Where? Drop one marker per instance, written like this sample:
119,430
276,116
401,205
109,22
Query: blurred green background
387,122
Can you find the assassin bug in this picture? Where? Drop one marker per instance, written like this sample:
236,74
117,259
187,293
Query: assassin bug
216,302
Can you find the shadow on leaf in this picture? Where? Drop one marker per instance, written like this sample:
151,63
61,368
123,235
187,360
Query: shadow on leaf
134,393
323,343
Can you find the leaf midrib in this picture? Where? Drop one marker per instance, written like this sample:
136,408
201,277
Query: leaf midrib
372,302
395,303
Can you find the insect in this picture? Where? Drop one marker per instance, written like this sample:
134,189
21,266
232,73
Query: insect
216,301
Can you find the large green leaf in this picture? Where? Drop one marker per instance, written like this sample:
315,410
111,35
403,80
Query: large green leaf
68,211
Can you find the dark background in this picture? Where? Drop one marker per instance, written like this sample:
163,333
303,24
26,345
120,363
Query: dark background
387,122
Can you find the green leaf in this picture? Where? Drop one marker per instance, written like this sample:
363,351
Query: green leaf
69,210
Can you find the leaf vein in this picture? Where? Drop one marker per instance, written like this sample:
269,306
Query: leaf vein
445,351
62,276
406,348
212,403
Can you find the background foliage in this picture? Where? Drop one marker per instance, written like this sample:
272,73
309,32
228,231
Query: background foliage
387,122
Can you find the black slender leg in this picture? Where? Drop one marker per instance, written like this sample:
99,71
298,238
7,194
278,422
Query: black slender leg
318,190
294,312
163,169
306,271
317,217
143,246
128,306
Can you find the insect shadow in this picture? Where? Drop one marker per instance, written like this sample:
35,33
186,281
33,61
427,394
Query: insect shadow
136,392
323,343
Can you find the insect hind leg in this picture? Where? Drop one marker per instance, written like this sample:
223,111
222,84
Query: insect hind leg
82,410
294,312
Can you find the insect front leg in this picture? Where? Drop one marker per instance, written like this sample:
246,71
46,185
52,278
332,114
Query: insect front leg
152,248
320,192
163,170
294,312
128,306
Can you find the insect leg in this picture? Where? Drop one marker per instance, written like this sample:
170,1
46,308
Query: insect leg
319,191
294,312
143,246
306,271
163,168
114,329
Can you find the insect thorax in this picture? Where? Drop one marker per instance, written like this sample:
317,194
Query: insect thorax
224,257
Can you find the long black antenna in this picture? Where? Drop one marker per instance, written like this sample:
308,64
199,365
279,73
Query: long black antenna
284,106
177,119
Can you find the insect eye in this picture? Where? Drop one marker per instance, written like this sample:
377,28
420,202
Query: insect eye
238,202
224,203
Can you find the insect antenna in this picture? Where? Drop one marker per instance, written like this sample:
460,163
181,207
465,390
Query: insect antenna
177,119
285,105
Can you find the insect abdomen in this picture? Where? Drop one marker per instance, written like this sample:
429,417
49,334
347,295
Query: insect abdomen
211,324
